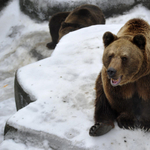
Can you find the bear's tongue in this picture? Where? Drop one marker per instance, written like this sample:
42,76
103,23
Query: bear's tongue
115,82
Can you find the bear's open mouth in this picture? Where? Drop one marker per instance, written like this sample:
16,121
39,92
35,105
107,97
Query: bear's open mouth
115,82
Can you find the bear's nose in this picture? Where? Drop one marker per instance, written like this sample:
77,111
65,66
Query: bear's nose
111,72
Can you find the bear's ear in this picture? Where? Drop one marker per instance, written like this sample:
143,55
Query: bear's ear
108,38
140,41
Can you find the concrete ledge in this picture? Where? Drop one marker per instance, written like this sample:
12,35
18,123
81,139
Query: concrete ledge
36,138
3,3
22,99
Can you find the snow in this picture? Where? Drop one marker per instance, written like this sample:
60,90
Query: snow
20,38
21,146
66,113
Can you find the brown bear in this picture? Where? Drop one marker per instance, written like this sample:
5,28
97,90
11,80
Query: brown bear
83,16
123,85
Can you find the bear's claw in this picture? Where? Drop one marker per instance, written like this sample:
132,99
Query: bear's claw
126,121
145,126
100,129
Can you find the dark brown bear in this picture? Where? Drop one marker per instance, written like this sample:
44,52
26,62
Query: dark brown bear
65,22
123,85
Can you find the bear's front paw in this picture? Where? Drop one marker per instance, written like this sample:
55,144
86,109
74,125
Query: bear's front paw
51,45
100,128
126,122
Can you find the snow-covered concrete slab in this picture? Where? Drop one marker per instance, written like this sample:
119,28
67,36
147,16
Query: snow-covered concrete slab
63,88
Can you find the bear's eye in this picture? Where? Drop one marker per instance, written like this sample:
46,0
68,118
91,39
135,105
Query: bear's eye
124,59
111,56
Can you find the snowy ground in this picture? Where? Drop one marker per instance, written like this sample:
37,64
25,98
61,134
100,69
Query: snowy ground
23,42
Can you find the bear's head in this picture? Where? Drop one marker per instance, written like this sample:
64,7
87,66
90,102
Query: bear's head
123,58
68,27
77,19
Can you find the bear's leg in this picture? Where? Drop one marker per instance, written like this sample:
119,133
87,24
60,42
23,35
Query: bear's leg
127,121
54,26
104,119
104,115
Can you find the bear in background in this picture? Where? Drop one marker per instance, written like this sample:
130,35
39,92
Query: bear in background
123,85
83,16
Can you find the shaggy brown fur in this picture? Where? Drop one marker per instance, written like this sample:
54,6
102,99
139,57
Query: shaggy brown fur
82,16
54,26
123,86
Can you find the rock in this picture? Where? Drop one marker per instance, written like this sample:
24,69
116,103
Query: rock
3,3
41,11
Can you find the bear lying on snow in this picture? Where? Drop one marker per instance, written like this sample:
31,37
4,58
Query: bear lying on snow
83,16
123,85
